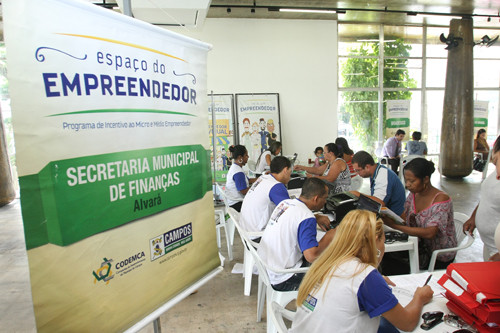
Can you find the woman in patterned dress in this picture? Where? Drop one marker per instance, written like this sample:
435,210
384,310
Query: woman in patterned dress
428,214
335,173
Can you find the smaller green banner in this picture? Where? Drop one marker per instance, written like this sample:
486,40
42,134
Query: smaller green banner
72,199
397,122
480,122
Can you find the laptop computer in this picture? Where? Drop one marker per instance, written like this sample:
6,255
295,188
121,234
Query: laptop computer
369,204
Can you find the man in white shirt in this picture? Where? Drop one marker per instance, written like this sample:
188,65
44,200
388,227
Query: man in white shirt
267,192
291,235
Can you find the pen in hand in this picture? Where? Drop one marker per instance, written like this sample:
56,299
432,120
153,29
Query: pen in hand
428,279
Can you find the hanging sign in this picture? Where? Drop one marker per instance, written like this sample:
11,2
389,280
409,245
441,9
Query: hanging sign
397,117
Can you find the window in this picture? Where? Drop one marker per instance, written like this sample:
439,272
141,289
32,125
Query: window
409,71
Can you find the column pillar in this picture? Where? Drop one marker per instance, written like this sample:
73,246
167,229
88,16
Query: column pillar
7,192
458,108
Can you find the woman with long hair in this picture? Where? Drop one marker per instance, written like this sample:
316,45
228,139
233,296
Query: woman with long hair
343,290
347,153
267,155
335,173
480,144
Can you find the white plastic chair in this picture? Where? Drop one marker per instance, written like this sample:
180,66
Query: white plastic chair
488,161
248,261
356,182
277,314
271,295
402,163
252,166
227,225
378,153
459,219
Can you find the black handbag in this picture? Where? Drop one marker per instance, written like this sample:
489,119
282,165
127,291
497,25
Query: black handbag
478,164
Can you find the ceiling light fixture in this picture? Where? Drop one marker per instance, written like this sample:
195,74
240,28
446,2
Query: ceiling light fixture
325,10
316,11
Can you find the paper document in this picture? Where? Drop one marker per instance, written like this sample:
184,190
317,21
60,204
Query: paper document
407,284
389,213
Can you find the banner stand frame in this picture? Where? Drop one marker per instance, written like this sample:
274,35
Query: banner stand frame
154,317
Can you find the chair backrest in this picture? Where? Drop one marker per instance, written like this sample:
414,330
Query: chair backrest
459,219
251,245
277,314
261,266
488,161
251,165
222,194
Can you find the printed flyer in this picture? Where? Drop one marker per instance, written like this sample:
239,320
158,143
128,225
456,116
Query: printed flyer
116,198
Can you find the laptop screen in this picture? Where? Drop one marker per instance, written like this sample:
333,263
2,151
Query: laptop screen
293,159
369,204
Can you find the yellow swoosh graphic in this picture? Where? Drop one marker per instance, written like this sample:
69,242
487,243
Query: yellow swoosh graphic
124,43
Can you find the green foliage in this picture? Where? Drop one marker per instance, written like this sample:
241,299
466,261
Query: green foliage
362,106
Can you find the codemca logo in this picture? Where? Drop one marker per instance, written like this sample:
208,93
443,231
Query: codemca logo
122,267
171,240
104,273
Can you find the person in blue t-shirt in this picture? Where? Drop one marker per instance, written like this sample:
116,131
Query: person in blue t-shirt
237,182
385,186
264,195
343,289
289,240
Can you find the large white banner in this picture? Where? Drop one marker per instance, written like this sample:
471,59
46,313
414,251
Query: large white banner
112,148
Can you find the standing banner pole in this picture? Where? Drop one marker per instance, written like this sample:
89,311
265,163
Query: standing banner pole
214,124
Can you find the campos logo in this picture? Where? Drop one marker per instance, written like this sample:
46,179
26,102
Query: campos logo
171,240
104,273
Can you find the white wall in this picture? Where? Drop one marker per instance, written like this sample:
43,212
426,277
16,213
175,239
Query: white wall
295,58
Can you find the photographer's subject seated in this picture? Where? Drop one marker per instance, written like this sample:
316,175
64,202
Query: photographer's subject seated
343,290
428,214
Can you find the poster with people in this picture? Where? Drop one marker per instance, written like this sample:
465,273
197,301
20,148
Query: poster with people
116,199
258,117
397,117
222,105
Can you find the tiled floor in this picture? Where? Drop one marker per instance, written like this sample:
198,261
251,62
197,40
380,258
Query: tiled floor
218,306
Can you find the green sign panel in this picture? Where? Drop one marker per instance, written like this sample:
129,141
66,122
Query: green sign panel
72,199
397,122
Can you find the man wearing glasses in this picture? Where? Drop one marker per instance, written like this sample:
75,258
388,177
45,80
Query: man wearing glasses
385,186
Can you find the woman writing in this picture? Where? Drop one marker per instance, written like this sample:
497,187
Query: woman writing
480,144
343,290
264,160
237,183
335,173
428,214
